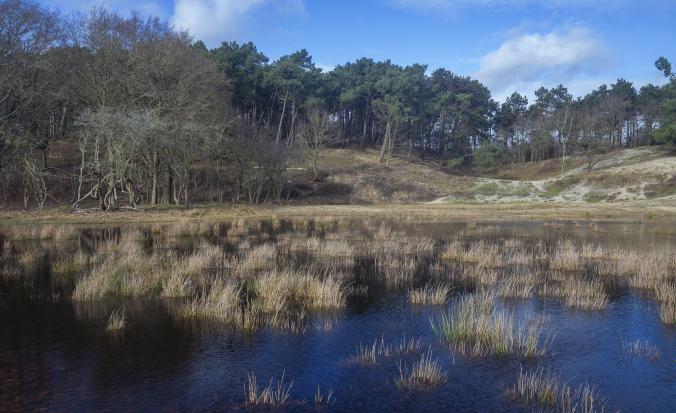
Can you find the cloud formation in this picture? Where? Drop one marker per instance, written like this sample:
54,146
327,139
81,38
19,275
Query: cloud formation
525,60
214,21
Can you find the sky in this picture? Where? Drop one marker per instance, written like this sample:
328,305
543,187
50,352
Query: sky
509,45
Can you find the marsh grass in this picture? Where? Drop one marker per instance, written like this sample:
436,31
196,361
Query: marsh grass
426,373
220,304
369,354
516,289
271,396
585,295
321,398
430,294
117,322
71,264
54,232
283,278
544,390
641,348
668,312
665,292
474,326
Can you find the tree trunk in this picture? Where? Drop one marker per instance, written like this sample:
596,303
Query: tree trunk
363,134
153,189
386,141
281,119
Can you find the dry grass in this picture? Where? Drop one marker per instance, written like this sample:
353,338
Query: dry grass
585,295
282,277
270,396
473,325
117,322
430,294
53,232
426,373
368,355
516,289
544,390
261,257
71,264
221,304
481,254
668,313
641,348
323,398
566,258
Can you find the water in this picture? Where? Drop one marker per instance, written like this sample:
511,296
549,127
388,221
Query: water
55,355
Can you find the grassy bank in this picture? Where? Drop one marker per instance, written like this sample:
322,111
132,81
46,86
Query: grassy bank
630,211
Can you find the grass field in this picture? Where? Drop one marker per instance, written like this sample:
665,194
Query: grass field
647,210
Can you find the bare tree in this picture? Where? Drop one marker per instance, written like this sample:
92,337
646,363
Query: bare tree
315,137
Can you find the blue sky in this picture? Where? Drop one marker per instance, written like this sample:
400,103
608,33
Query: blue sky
510,45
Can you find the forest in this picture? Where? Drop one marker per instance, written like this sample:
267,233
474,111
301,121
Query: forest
100,110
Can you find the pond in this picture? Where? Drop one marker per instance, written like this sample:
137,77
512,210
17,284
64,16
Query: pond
338,315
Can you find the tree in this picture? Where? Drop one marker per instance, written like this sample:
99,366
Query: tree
666,133
664,66
315,136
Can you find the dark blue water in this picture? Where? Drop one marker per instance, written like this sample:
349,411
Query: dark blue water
54,360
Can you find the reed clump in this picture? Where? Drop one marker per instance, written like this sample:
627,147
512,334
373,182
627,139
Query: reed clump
70,264
321,398
221,304
566,257
368,355
544,390
641,348
668,312
271,396
426,373
585,295
117,322
430,294
474,325
516,288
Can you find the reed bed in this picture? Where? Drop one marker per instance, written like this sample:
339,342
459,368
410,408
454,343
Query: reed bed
544,390
317,267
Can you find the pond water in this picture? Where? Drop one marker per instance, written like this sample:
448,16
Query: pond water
56,355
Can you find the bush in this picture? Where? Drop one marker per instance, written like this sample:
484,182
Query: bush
487,156
455,163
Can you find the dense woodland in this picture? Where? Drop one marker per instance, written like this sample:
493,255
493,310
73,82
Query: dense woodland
110,111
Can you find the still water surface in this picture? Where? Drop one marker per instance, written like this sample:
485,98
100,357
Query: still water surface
56,355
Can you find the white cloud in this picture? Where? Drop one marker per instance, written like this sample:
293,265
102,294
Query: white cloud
527,61
214,21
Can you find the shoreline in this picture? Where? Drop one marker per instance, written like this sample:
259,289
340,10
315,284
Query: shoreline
630,211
